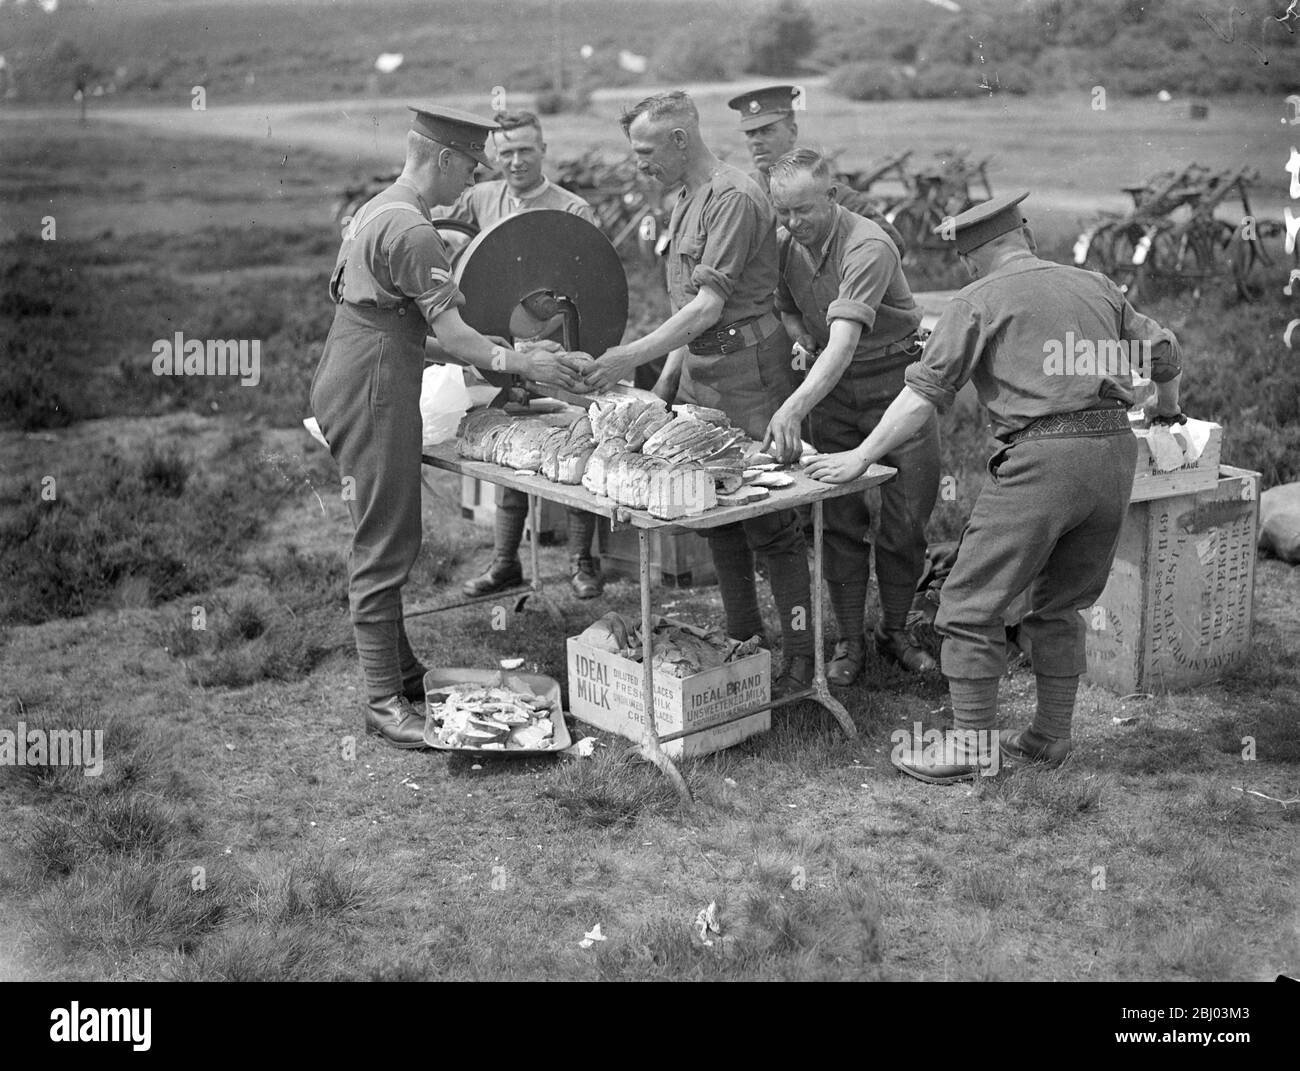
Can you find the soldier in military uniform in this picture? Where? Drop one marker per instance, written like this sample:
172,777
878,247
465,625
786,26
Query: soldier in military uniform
767,120
726,350
1049,517
391,285
520,151
842,294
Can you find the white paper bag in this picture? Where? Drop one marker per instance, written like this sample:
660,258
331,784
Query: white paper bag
443,402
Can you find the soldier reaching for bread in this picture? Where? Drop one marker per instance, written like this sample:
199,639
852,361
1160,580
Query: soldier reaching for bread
725,348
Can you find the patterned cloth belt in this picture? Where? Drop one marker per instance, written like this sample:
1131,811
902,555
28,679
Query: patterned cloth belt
735,336
1105,421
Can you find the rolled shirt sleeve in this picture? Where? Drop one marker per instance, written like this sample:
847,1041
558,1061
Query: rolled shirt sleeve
951,354
417,259
1166,353
865,273
731,225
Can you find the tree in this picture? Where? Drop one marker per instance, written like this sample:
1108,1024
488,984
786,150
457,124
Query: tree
781,37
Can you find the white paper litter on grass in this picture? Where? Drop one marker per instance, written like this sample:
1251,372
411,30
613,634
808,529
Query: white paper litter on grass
591,937
582,749
706,922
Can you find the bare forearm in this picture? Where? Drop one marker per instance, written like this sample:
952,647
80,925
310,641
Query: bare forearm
906,415
1167,395
460,341
824,374
698,314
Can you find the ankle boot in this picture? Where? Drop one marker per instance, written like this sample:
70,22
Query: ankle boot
847,662
586,580
896,645
500,576
396,721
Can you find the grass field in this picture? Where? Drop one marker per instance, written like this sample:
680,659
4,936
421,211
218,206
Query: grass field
232,834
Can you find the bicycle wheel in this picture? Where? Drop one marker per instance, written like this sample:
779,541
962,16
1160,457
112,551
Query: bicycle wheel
1248,262
916,223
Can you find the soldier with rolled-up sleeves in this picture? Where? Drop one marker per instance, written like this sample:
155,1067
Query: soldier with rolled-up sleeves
844,299
1048,519
726,350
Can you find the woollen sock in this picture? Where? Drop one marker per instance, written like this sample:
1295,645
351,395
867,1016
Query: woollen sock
734,562
1055,706
582,526
974,702
849,603
410,665
377,648
508,526
895,603
792,592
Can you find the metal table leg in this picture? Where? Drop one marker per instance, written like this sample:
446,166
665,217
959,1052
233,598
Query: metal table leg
650,749
821,693
534,525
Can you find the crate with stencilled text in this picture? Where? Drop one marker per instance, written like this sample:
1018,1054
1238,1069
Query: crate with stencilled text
605,690
1157,476
1178,607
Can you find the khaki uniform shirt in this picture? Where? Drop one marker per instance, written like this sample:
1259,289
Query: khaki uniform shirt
724,235
395,256
855,275
487,203
1025,333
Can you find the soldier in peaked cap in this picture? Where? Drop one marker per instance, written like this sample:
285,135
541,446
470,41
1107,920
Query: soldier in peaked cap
1048,519
391,285
768,123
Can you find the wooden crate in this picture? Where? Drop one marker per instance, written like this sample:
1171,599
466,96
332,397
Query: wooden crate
1179,605
677,559
1201,475
605,691
478,504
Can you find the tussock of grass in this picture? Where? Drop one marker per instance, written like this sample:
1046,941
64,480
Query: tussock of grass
1150,750
310,889
59,843
610,790
297,952
126,907
1058,795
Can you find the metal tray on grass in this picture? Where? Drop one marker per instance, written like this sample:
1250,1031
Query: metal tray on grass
440,680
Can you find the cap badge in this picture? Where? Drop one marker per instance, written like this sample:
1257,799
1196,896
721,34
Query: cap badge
755,106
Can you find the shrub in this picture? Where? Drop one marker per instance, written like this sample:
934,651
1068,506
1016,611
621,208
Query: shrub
781,37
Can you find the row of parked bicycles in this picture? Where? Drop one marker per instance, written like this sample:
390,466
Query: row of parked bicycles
1173,235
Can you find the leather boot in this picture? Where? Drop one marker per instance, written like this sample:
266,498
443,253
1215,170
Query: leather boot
847,662
796,676
895,645
396,722
1024,746
500,576
586,580
957,759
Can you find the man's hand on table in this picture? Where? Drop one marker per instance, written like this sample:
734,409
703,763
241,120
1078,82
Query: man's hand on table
612,367
783,436
838,468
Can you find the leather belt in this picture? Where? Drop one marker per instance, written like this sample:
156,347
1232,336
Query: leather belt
1100,421
734,336
910,345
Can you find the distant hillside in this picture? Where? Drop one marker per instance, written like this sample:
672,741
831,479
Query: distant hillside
875,49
